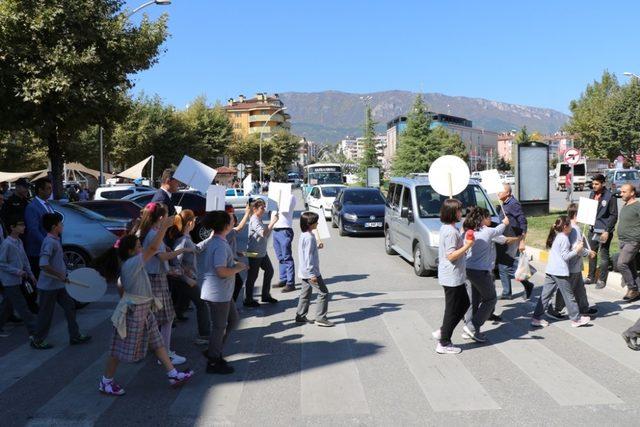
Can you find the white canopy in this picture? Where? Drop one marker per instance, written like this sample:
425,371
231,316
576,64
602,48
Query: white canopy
135,171
14,176
79,167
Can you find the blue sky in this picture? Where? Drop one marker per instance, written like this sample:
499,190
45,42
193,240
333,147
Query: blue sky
540,53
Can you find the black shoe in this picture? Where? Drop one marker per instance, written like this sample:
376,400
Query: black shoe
591,312
600,284
303,319
280,285
632,344
182,318
633,296
495,318
528,289
219,367
40,345
205,353
555,314
288,288
80,339
269,300
505,297
253,303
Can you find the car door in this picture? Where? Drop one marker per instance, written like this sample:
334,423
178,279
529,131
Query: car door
391,212
314,199
404,225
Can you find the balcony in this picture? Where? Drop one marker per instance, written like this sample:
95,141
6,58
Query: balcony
261,118
268,129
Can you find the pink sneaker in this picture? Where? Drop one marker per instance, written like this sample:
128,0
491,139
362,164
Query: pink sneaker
110,388
180,378
582,321
539,323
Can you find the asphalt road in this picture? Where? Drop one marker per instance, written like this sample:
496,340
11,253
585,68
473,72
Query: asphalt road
376,367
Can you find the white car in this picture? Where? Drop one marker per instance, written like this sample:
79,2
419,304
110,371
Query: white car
508,178
118,191
321,197
236,197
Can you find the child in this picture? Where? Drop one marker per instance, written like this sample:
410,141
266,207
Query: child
14,270
51,286
232,238
451,274
217,289
135,327
480,262
187,266
157,267
557,274
309,272
257,243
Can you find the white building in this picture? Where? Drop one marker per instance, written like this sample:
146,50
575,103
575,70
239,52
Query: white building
353,148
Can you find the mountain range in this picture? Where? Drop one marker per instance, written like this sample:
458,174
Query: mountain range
329,116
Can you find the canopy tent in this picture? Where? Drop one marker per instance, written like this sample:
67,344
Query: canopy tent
69,169
79,167
135,171
14,176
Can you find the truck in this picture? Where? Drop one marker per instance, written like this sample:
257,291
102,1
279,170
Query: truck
579,175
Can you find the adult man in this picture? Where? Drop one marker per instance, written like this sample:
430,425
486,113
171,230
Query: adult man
167,188
4,189
601,233
33,214
568,185
15,205
629,237
509,255
282,238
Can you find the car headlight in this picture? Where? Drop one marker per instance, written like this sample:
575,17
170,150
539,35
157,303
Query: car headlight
350,217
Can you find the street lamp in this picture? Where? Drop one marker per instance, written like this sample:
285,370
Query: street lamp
263,126
628,74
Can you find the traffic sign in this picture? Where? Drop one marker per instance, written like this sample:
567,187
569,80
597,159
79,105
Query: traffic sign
240,167
572,156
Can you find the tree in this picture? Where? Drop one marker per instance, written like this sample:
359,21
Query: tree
369,157
247,150
523,136
588,116
20,152
283,150
503,165
621,124
64,65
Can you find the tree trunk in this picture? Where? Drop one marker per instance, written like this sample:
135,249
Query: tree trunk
57,162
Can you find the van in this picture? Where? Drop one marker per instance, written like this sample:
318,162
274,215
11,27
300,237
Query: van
579,175
119,191
412,219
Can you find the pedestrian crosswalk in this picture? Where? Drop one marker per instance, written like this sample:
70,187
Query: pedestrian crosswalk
326,379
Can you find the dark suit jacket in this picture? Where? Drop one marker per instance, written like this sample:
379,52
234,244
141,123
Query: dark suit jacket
162,197
35,232
607,215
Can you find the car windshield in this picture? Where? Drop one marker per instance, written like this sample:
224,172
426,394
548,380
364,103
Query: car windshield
319,178
330,191
363,198
429,201
627,176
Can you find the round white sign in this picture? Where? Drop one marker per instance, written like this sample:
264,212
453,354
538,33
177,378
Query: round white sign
449,175
572,156
86,285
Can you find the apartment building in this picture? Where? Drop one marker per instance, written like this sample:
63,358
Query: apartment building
264,114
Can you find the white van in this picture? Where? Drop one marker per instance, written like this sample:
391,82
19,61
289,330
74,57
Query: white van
579,175
119,191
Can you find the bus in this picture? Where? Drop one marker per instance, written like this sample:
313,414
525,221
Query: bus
321,173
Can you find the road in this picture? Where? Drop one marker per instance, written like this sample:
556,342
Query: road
376,367
558,199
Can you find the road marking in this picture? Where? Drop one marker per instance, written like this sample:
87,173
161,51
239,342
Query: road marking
549,371
23,360
213,399
330,381
445,382
79,403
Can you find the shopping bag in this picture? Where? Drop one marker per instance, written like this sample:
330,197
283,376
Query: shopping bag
524,270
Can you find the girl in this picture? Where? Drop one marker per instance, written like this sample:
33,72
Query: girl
480,262
258,236
135,326
451,274
186,279
157,267
232,238
557,274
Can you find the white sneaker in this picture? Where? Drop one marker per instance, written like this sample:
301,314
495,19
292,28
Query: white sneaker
176,359
436,335
449,349
539,323
582,321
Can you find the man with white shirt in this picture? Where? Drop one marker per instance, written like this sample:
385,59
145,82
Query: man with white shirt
33,214
282,238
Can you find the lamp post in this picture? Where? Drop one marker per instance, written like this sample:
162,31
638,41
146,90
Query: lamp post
261,133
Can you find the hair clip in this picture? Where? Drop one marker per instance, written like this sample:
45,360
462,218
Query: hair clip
151,206
116,245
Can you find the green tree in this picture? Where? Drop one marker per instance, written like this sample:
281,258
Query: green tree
20,152
588,115
247,150
621,124
369,157
283,150
503,165
523,136
64,65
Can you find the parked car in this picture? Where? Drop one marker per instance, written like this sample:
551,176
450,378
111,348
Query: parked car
358,210
119,191
185,199
616,178
119,209
236,197
412,219
507,178
476,175
87,235
321,197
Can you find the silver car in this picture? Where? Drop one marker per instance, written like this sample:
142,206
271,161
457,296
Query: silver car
412,219
87,234
616,178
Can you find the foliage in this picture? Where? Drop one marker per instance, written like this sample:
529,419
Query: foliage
283,151
65,65
621,124
21,152
503,165
247,151
523,136
369,157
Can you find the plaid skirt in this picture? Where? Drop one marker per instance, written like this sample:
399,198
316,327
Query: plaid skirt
160,289
142,334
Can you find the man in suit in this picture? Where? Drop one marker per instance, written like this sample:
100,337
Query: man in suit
168,187
35,232
601,234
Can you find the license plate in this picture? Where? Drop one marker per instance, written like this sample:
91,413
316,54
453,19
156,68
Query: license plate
372,224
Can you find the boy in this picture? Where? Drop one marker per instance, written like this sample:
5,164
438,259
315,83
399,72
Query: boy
309,272
14,270
51,286
217,290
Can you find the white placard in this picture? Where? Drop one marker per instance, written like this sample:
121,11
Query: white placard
587,211
86,285
195,174
215,198
449,175
280,195
323,228
491,182
247,185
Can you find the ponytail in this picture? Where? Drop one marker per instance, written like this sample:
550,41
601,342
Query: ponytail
108,265
475,217
561,222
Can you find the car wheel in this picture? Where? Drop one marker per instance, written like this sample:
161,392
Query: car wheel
341,230
387,242
75,258
418,262
203,233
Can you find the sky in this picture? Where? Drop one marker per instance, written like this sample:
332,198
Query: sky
539,53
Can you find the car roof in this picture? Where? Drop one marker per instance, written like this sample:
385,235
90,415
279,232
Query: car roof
420,180
330,185
350,189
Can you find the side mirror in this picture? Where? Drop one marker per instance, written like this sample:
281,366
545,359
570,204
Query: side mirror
406,213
